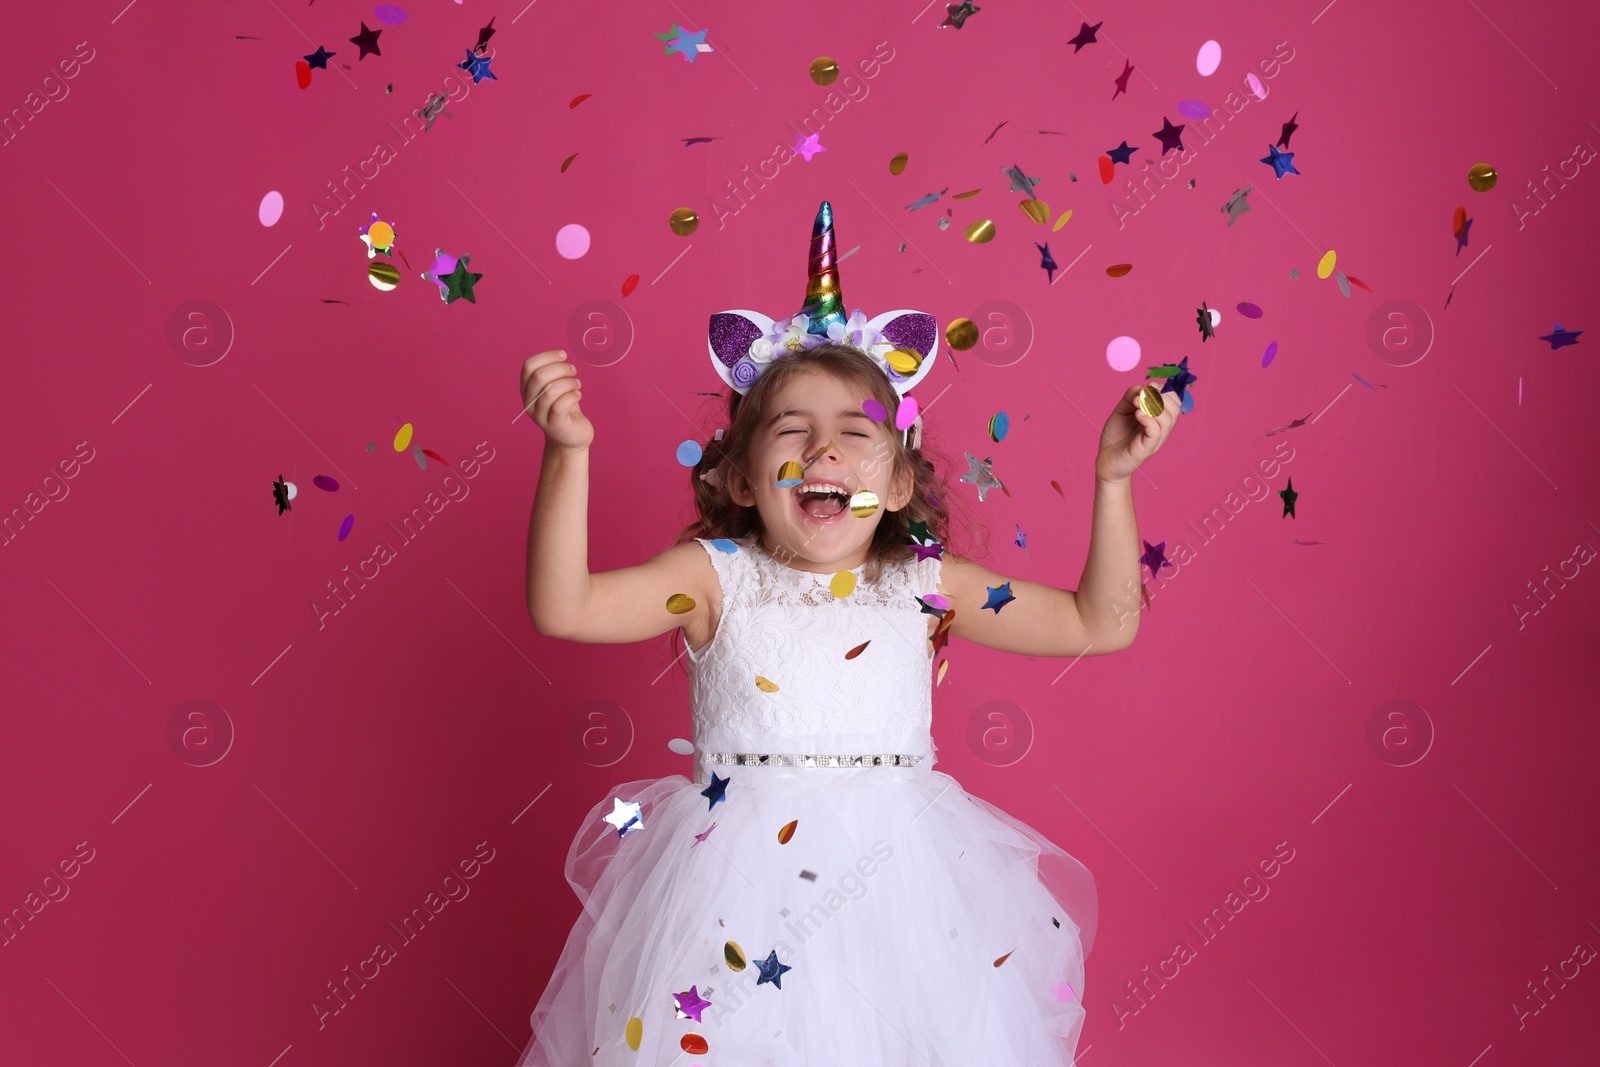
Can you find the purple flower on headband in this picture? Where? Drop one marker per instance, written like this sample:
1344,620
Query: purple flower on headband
745,373
855,332
792,335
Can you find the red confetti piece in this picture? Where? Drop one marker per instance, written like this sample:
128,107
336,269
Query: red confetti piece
580,98
1353,280
1056,486
1107,169
694,1045
854,652
302,73
628,285
1002,959
431,454
568,162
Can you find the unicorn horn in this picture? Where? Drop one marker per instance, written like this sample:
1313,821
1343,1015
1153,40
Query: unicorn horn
824,299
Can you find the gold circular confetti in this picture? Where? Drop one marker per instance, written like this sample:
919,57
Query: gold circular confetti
1117,270
897,165
863,503
980,232
961,334
680,603
1150,402
734,955
766,686
842,584
824,71
402,438
968,195
383,276
905,360
683,221
791,471
1482,177
1325,264
1037,210
634,1032
788,831
1062,221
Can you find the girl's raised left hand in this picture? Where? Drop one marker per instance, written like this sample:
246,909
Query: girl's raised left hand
1130,436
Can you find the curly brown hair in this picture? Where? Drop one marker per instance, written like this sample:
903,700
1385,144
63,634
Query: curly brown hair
719,516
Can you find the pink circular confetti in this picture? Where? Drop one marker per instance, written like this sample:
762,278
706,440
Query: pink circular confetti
1255,86
1266,357
874,409
907,413
572,241
1194,109
389,13
271,209
1063,992
1209,59
1248,310
1123,353
344,527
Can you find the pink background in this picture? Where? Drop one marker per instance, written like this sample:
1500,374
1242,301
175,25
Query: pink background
1436,871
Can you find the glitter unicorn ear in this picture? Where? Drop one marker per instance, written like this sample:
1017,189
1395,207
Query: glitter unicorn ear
902,343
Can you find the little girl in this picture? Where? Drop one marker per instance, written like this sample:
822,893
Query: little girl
818,895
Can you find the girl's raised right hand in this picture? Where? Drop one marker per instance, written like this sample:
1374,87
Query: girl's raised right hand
550,392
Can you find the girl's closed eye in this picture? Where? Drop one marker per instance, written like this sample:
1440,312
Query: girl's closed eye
848,433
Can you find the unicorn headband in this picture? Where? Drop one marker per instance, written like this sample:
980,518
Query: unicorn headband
902,343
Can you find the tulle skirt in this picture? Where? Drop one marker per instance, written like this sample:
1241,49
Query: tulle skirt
898,922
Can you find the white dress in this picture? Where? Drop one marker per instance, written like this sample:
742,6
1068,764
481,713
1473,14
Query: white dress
900,921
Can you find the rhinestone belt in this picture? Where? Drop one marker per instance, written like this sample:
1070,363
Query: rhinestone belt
769,759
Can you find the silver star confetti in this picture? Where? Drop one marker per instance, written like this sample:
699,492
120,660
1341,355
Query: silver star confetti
979,473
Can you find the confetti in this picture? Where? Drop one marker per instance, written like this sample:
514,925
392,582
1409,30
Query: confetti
854,652
383,276
629,283
580,98
1281,162
680,603
271,208
565,163
1118,270
1248,310
1561,337
1481,176
824,71
786,834
683,221
572,241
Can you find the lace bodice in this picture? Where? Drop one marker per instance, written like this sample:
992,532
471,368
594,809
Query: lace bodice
786,626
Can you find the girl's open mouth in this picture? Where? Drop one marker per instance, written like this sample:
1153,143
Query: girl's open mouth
823,508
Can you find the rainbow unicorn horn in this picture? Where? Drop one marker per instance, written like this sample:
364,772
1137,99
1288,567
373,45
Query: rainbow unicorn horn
824,298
